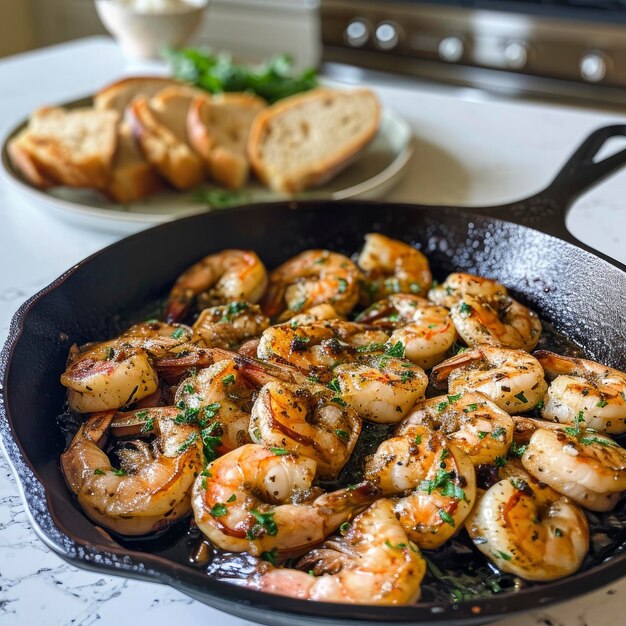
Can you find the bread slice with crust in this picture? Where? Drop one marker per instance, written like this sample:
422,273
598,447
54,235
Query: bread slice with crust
72,147
22,161
160,128
118,95
132,177
218,129
306,139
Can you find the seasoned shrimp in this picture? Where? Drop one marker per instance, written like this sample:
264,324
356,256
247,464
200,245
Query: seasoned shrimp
258,499
152,487
470,420
459,285
318,345
513,379
380,388
436,478
587,467
528,529
218,279
582,387
111,374
229,326
315,314
392,266
498,321
425,329
220,399
372,563
311,278
312,424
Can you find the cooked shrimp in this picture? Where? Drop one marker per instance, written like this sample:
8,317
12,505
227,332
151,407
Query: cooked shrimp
152,487
318,345
218,279
111,374
315,314
587,467
373,563
470,420
220,399
459,285
380,388
528,529
392,266
426,330
257,499
437,480
587,388
311,278
298,419
513,379
229,326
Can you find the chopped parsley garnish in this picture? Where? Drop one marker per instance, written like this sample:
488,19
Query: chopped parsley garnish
465,309
178,333
343,285
343,529
334,385
299,305
517,449
270,556
119,472
232,498
540,404
602,403
188,388
211,440
109,353
371,347
342,434
228,380
500,461
451,490
99,472
265,523
210,411
148,425
453,399
519,484
299,343
339,401
602,442
442,406
446,517
558,532
470,407
219,510
521,397
193,437
504,555
406,376
482,434
232,309
418,439
396,350
498,433
279,451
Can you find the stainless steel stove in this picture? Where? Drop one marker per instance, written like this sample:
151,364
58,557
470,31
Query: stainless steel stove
559,48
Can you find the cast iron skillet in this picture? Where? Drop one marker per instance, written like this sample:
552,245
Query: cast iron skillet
581,293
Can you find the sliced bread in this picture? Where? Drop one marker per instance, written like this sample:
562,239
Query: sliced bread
69,147
306,139
218,129
160,128
22,161
118,95
132,177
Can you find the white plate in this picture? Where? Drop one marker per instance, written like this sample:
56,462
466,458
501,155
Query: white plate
372,175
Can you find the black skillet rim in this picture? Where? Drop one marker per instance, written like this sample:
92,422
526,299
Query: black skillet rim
109,558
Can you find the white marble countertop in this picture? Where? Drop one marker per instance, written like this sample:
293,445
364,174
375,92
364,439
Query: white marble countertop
469,152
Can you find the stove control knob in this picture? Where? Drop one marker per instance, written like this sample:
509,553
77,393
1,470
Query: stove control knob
386,35
357,33
593,67
451,49
516,54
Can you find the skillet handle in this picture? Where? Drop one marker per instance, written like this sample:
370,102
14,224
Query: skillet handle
547,210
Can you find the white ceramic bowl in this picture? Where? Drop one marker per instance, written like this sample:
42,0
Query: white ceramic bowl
143,34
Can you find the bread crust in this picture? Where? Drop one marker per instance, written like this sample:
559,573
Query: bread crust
172,158
316,173
225,166
118,95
